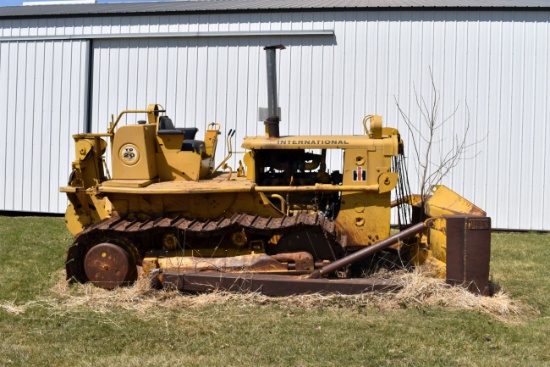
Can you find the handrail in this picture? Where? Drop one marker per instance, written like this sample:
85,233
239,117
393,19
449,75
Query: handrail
151,109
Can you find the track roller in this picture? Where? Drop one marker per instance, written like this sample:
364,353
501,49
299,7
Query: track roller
109,266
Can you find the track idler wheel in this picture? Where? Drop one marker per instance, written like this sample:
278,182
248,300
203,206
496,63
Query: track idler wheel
109,266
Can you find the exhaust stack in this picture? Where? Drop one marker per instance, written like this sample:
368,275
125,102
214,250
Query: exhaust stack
273,118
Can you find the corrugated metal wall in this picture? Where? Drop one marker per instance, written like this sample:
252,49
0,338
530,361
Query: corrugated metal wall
489,66
42,88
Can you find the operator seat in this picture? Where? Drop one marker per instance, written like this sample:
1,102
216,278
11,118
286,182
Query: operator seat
166,127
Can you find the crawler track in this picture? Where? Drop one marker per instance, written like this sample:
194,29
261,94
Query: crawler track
139,237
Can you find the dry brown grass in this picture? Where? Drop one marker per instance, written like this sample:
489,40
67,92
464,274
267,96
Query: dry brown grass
419,290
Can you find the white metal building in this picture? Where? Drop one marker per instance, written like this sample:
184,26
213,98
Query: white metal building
65,69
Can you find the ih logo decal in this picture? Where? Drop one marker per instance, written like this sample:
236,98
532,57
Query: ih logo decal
359,174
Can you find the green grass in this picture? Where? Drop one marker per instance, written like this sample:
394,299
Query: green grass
48,331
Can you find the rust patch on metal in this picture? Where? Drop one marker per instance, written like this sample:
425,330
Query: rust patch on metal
240,264
301,260
469,252
109,266
297,262
272,285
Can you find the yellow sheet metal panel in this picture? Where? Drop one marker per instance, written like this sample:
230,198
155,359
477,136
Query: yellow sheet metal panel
445,201
131,153
313,142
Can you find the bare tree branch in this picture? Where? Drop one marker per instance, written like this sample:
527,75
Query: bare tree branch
433,171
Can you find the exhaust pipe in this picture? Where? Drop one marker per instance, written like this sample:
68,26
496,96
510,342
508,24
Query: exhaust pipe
273,118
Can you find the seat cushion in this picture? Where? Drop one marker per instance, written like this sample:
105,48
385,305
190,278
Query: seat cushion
189,132
190,145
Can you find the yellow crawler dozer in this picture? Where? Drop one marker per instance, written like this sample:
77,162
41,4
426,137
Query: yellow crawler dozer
282,223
